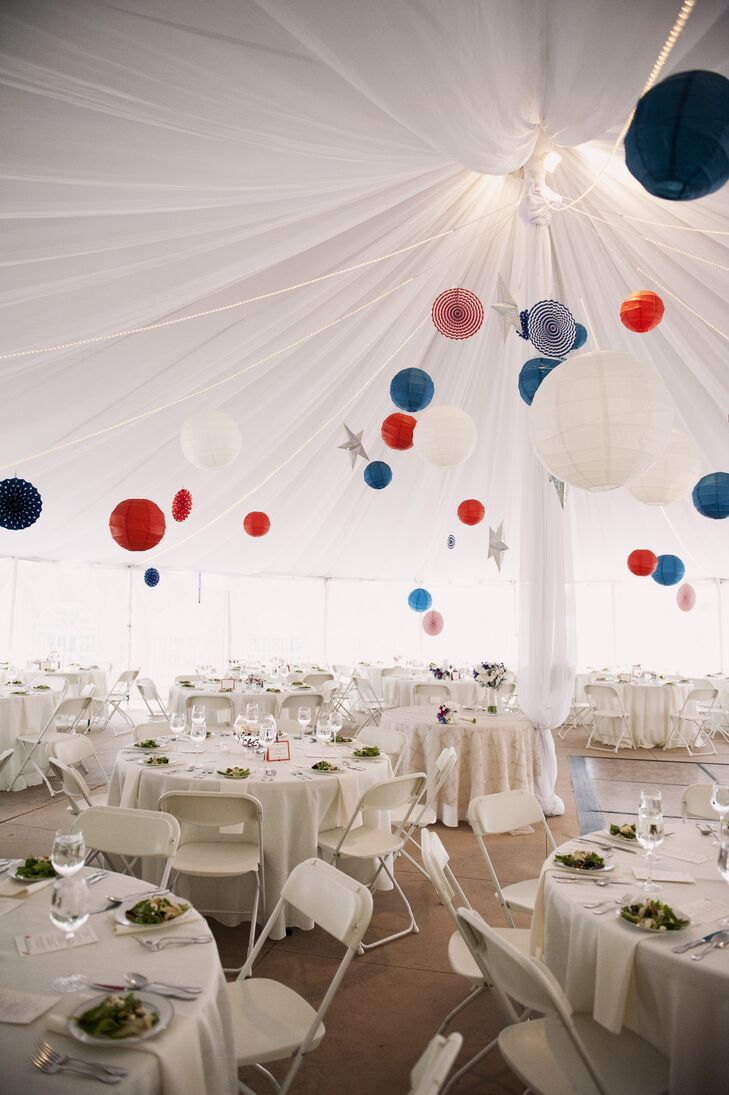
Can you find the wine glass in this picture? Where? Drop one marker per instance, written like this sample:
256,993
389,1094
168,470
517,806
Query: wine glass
252,712
336,722
268,730
177,727
720,803
323,732
651,799
198,732
304,719
69,911
69,851
650,835
239,726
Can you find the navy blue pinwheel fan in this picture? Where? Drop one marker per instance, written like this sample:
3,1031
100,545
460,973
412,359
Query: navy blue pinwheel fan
20,504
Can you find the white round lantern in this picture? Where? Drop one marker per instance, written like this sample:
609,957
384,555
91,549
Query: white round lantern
600,420
672,476
445,436
210,439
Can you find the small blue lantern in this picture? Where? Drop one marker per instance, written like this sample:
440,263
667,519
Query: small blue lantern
580,337
669,570
419,599
677,146
151,577
532,374
411,390
711,495
378,475
20,504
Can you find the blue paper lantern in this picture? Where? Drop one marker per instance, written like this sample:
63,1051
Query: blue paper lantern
532,374
378,475
20,504
419,600
677,146
411,390
580,337
711,495
151,577
669,570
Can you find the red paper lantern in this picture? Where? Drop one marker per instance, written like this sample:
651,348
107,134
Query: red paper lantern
642,311
642,562
137,524
471,511
256,523
182,505
397,431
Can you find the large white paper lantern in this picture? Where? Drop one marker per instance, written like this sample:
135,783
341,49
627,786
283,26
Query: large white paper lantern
672,476
445,436
600,420
210,439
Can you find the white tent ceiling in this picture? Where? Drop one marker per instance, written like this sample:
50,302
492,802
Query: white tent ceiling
163,157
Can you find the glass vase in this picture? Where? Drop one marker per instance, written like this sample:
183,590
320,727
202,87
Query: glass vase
491,704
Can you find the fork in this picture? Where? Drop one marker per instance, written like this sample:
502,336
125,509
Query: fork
45,1049
161,944
51,1065
599,907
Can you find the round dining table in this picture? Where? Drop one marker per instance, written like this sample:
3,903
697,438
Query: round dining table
649,705
23,710
399,690
495,753
195,1053
78,678
627,977
269,699
295,808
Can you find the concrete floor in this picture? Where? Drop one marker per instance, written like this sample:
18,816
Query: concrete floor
394,997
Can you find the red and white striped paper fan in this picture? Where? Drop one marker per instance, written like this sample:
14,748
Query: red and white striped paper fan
457,313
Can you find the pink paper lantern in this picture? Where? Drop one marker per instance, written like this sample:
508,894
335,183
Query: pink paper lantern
686,597
432,623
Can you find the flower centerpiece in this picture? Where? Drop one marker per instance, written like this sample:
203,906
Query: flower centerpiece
490,675
441,672
445,716
256,682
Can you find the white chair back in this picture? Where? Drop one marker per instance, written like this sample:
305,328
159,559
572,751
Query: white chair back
393,793
77,748
317,679
123,684
75,709
427,692
146,730
74,785
292,703
388,741
211,809
431,1069
505,811
152,699
604,699
391,671
445,883
703,698
338,904
696,802
130,834
218,709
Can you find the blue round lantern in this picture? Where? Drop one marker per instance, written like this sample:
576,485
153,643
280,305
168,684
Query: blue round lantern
411,390
20,504
378,475
532,374
669,570
677,146
151,577
419,600
580,337
711,495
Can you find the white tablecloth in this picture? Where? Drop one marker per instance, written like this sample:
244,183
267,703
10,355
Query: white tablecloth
21,715
680,1006
78,679
397,691
650,706
269,703
294,812
208,1016
496,754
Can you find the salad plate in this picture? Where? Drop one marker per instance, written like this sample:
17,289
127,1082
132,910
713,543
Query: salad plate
324,768
121,1019
367,752
650,915
153,912
159,760
37,868
624,833
579,862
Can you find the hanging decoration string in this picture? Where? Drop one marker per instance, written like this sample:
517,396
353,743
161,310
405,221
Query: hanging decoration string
652,224
658,243
297,452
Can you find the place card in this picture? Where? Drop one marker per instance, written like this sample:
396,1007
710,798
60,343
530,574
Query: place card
662,876
54,940
23,1007
279,750
706,910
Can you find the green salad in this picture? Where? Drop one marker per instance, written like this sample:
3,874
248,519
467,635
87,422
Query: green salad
627,832
367,751
118,1017
155,762
156,910
581,861
148,743
185,684
653,916
42,687
234,773
342,740
324,766
36,867
273,689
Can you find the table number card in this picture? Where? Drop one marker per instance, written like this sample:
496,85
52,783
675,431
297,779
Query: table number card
279,750
46,942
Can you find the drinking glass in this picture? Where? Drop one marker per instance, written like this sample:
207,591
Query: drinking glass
268,729
69,851
177,727
720,803
323,732
239,726
304,719
650,835
252,713
198,733
336,722
69,911
651,799
197,711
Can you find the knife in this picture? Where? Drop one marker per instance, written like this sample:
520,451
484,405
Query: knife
175,994
600,843
696,943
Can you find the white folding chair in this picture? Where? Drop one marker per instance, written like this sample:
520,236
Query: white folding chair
271,1022
69,713
207,847
148,691
313,700
387,741
607,706
75,787
563,1053
578,715
693,726
432,1067
425,812
128,836
696,802
218,710
341,700
110,704
368,701
192,677
75,749
427,693
317,679
143,731
489,815
5,756
368,842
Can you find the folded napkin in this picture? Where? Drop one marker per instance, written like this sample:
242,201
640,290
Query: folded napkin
641,873
130,790
10,888
349,796
177,1049
132,929
617,943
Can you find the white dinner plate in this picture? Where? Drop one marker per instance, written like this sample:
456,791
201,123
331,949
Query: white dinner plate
143,761
12,873
327,772
655,931
120,914
355,757
160,1004
583,871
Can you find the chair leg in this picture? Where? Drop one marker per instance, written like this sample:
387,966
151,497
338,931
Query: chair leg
469,1065
412,927
459,1007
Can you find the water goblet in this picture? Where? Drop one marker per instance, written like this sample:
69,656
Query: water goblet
252,712
336,722
304,719
650,835
69,911
69,851
268,729
720,802
323,732
177,727
650,799
198,733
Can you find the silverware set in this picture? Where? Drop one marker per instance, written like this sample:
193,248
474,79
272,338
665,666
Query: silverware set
49,1060
605,846
138,982
172,941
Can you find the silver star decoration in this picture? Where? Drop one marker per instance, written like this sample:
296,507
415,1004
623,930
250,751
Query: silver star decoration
560,487
497,547
354,446
507,309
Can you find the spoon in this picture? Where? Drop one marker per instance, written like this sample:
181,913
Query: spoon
720,940
139,981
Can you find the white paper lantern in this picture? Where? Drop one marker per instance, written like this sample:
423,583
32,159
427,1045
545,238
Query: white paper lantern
672,476
210,439
600,420
445,436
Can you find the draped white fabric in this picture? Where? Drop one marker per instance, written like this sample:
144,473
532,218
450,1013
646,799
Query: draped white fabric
161,158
